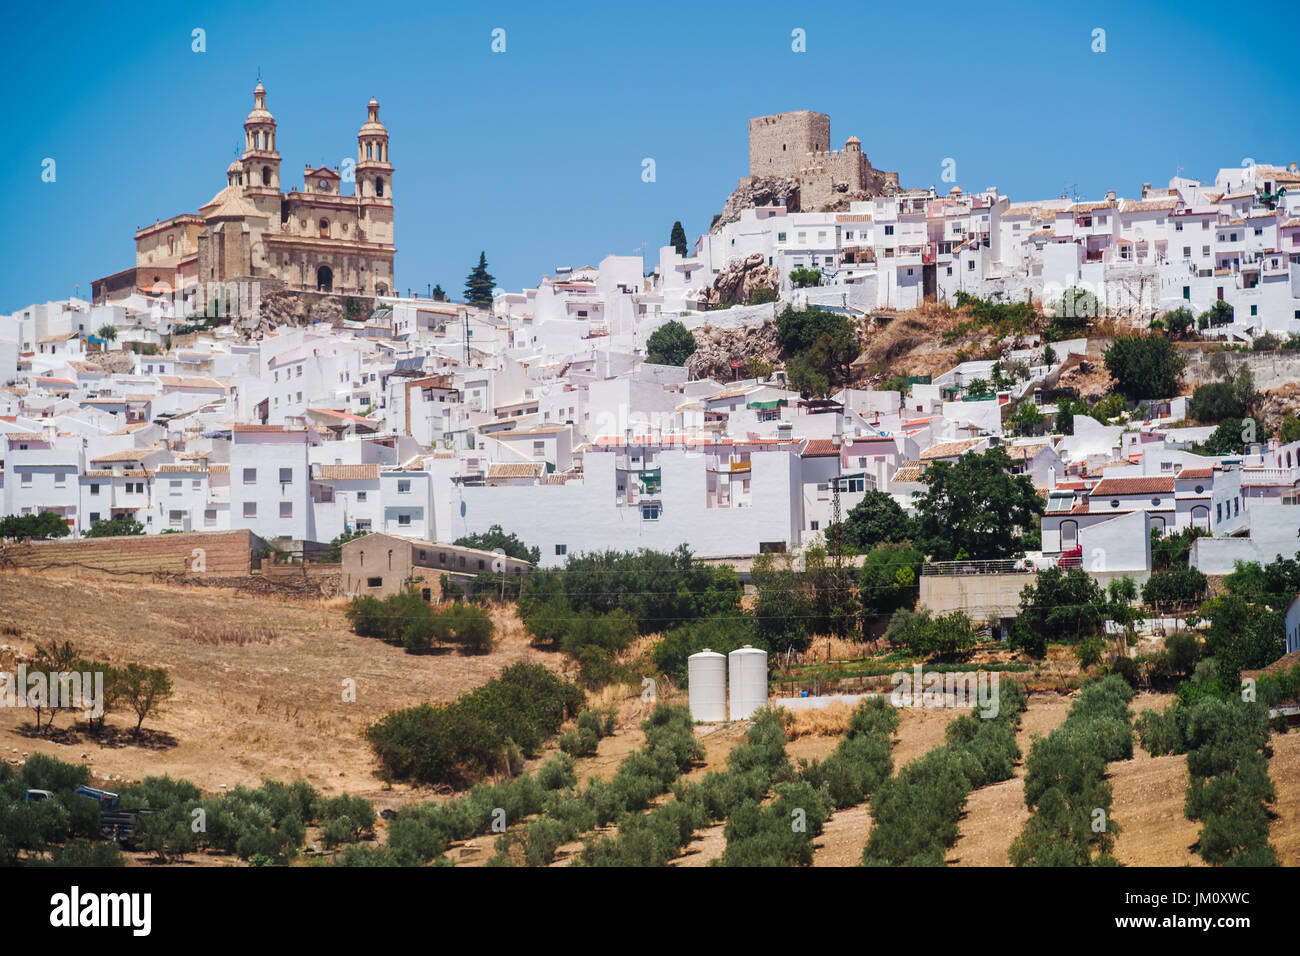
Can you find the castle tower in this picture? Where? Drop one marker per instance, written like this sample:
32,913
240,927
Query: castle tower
261,160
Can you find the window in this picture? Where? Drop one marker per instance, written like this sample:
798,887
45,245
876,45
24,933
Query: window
286,476
174,487
94,516
363,524
175,518
970,266
815,525
250,509
286,509
299,372
404,487
1254,310
94,489
361,496
374,582
404,520
1114,502
889,230
1218,512
561,549
209,517
250,476
539,448
1187,292
780,237
1155,502
60,479
650,513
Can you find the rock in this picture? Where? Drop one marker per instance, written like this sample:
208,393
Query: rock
738,280
756,191
716,349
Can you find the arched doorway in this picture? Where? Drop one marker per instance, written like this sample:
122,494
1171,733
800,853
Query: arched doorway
324,279
1069,535
1201,517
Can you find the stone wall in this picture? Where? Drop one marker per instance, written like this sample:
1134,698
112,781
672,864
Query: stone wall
780,143
194,554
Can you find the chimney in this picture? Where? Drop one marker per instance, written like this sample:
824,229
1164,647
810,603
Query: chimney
1110,195
1146,190
1051,478
1293,167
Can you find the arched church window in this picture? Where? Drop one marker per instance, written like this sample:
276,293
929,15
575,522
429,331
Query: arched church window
266,175
379,186
324,228
368,149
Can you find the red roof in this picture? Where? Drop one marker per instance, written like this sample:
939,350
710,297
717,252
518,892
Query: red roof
819,448
1157,485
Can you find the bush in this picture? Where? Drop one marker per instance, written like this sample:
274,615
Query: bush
1144,366
948,636
916,811
460,741
1065,786
670,344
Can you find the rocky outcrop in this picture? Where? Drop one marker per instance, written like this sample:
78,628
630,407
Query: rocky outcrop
289,307
716,349
737,281
756,191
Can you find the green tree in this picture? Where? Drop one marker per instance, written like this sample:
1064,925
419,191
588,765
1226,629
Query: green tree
144,689
1026,419
115,527
804,278
1178,322
495,537
1076,308
761,295
976,508
1289,430
819,347
678,239
1145,366
438,294
1213,402
1060,603
1233,437
479,285
1066,408
876,518
670,344
47,524
890,578
107,332
1220,313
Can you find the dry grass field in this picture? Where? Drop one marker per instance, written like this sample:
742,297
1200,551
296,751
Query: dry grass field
259,693
271,707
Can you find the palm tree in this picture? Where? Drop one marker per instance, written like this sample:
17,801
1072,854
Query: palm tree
108,333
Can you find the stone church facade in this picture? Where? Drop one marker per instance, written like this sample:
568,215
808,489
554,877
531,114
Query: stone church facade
317,238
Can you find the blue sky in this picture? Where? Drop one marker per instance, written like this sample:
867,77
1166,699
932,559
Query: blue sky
535,155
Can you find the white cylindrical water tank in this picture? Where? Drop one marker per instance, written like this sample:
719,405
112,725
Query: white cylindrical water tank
747,681
707,684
